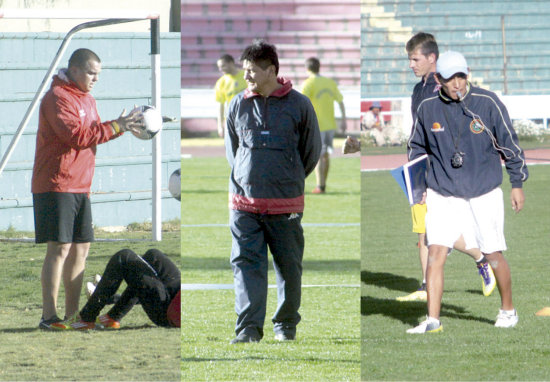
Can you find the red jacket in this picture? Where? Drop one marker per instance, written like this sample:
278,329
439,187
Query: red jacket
174,311
69,129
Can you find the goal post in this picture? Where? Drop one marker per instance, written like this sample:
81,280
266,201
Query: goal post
101,18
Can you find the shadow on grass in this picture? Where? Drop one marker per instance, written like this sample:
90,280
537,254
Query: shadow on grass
412,312
475,291
408,312
389,281
331,265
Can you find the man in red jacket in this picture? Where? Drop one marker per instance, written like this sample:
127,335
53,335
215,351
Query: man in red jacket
69,129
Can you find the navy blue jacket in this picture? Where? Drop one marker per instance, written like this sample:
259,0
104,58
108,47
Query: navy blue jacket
470,125
272,144
427,87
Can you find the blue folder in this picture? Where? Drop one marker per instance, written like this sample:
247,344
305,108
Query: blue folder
411,177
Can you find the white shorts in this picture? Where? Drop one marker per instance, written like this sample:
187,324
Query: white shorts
479,220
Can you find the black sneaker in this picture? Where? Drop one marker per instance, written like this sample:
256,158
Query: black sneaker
246,336
47,324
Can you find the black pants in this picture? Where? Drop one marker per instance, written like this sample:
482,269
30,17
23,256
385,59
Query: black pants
253,234
153,280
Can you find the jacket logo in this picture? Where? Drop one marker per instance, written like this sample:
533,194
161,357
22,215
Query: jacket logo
436,127
82,113
476,126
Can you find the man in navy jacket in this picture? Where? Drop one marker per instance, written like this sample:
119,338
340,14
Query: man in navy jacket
272,144
466,131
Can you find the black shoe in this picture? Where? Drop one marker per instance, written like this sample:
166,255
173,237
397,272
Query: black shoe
246,336
285,336
46,324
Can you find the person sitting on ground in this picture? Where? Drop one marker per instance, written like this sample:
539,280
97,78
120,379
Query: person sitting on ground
153,280
373,121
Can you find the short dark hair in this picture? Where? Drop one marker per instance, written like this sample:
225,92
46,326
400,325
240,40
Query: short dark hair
226,58
313,64
262,54
426,42
80,58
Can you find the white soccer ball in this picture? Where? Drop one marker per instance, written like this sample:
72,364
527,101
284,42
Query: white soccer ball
174,184
152,122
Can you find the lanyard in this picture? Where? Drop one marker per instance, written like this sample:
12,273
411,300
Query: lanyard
457,140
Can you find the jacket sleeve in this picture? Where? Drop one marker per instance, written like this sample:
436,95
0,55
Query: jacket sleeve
416,146
507,139
231,139
309,144
63,116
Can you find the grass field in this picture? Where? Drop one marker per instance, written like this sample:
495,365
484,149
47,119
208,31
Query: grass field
139,351
470,348
328,338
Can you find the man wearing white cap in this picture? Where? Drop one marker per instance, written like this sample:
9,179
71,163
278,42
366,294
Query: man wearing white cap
423,53
466,131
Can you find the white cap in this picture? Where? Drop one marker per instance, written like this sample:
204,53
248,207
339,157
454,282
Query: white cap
450,63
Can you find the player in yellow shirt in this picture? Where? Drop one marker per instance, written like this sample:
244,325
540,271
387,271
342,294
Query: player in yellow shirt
323,92
229,85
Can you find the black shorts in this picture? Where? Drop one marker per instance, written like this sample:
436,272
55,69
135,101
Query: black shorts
62,217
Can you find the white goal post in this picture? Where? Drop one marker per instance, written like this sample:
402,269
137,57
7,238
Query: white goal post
102,18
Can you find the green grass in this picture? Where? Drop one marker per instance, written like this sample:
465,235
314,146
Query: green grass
139,351
328,342
470,348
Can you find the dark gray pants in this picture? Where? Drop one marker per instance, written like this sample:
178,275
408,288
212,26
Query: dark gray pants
252,235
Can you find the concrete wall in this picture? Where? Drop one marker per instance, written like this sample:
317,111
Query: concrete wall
121,191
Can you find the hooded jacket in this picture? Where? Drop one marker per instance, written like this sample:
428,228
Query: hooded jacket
69,129
272,144
478,126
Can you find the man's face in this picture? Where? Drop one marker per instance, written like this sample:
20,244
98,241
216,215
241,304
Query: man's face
226,67
85,78
257,78
420,64
457,83
375,110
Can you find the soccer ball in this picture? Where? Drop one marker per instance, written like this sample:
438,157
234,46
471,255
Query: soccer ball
152,122
174,184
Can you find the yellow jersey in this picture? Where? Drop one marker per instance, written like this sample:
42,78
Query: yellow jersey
322,93
229,86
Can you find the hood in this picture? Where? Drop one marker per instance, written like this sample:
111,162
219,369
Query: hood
62,79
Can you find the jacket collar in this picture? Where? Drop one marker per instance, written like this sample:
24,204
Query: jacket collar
62,79
447,99
281,92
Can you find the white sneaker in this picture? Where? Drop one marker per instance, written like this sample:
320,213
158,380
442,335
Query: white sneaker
431,325
97,279
505,319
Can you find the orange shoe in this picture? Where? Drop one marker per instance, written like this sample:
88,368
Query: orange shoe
73,323
107,322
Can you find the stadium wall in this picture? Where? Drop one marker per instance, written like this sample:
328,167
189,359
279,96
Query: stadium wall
121,190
